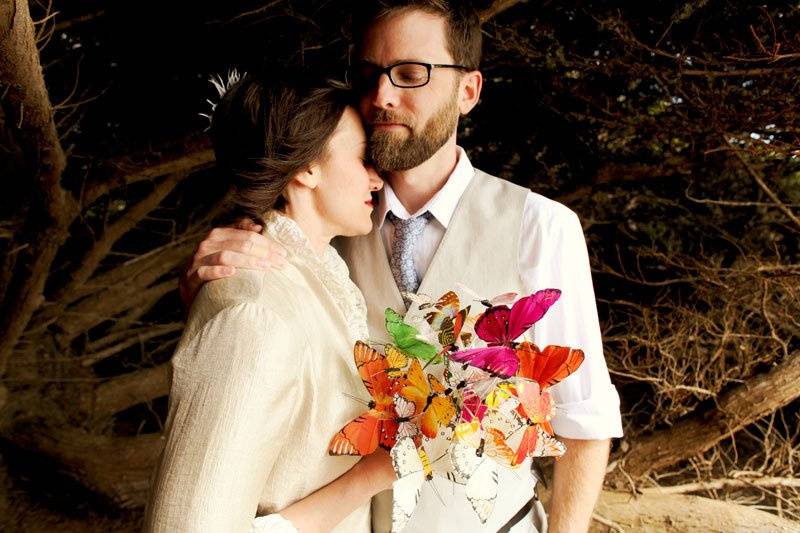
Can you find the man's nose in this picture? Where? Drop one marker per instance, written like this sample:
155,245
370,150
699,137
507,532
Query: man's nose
385,94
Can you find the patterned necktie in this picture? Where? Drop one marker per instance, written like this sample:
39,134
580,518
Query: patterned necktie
406,234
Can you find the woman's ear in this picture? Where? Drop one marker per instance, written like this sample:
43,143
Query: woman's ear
309,177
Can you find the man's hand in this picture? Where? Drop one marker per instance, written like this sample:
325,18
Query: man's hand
577,482
226,249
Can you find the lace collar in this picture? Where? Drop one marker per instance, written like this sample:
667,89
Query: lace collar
329,267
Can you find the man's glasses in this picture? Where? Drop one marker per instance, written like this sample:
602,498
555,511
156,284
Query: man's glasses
406,74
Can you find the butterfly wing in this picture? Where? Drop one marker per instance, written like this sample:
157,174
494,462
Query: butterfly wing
372,367
405,337
396,361
527,445
406,489
358,437
377,426
472,406
547,446
529,310
405,410
479,474
536,403
492,325
497,448
499,361
440,412
416,388
548,366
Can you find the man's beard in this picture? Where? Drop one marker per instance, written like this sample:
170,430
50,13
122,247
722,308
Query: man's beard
391,153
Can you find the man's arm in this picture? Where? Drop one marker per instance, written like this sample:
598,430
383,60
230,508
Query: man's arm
553,253
577,482
226,249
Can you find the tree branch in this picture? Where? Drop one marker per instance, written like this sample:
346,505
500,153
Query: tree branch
182,157
497,7
114,232
125,391
737,408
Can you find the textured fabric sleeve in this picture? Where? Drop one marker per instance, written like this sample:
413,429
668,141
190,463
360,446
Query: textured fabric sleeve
273,523
232,396
553,254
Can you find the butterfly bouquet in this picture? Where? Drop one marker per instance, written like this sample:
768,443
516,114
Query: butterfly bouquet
458,395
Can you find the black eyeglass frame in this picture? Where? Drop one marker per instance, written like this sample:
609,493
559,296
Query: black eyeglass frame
380,71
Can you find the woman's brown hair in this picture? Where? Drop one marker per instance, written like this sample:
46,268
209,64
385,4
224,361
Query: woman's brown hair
266,130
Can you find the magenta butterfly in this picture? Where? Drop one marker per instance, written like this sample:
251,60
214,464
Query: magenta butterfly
500,326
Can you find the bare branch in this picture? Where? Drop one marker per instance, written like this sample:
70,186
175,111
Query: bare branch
131,338
735,409
183,157
115,231
497,7
125,391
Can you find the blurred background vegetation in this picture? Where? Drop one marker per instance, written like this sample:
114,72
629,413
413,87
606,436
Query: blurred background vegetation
671,128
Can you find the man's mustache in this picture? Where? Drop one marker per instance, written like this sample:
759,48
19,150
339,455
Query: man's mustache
387,116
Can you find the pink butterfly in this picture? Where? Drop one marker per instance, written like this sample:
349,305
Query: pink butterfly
500,326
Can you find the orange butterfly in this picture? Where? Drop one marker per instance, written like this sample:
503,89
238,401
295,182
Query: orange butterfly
536,406
431,399
549,366
447,318
377,426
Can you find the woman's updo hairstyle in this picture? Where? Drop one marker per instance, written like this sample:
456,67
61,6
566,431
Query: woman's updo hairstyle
270,126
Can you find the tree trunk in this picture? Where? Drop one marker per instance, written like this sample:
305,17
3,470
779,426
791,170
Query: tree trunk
735,409
27,110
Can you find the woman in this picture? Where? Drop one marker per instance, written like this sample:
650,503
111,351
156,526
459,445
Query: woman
260,375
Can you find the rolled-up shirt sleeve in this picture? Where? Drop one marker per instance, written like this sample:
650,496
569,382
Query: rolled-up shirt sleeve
232,397
553,254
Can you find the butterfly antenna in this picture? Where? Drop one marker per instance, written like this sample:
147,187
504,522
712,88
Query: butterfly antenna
436,491
356,398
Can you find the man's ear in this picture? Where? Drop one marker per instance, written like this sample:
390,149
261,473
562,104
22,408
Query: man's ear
309,177
470,91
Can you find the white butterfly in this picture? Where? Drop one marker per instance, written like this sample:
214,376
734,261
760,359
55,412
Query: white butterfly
405,410
412,469
475,454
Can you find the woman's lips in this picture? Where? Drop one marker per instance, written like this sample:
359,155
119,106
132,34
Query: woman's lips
370,203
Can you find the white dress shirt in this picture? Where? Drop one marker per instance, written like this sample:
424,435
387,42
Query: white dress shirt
552,254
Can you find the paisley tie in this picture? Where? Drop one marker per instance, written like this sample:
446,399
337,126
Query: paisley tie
406,235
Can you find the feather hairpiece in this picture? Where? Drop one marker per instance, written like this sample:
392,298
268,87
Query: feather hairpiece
222,86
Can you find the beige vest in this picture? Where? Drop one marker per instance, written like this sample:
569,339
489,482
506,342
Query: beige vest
480,250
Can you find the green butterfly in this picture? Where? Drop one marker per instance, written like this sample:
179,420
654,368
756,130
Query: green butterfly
405,338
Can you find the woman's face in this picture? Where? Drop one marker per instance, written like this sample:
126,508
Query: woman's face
346,180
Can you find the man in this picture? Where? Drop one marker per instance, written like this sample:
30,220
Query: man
440,221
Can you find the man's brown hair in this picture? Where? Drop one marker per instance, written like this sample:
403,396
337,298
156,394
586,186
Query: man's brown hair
464,39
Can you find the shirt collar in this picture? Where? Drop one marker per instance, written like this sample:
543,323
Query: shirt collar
442,205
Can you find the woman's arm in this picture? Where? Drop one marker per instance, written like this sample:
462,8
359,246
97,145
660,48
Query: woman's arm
233,394
324,509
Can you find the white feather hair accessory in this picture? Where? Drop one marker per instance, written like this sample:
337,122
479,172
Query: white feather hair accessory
222,86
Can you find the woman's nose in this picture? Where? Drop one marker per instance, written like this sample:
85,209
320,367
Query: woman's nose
375,181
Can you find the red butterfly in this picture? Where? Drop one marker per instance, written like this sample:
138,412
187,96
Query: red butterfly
500,326
549,366
378,426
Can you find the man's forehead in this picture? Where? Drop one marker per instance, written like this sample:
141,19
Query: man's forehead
406,36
